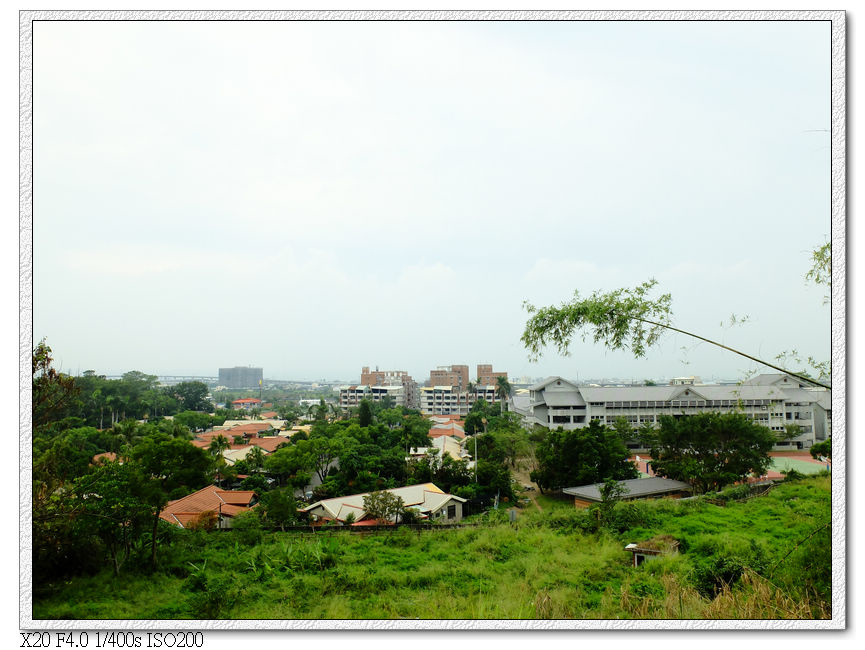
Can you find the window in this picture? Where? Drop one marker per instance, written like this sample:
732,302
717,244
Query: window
452,512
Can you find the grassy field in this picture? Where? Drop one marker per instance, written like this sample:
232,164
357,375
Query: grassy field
739,559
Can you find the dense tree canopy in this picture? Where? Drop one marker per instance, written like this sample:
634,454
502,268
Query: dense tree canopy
709,450
581,457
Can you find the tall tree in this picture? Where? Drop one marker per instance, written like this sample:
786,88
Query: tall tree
503,389
710,450
171,469
581,457
192,396
54,394
365,413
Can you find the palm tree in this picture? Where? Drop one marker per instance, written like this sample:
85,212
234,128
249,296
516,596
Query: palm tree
503,389
217,446
470,388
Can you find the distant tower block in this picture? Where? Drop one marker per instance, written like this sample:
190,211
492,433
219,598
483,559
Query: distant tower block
241,377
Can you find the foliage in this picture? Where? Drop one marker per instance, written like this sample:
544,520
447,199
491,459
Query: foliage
278,508
618,319
772,552
822,449
365,413
581,457
623,319
191,395
246,527
821,267
710,450
383,506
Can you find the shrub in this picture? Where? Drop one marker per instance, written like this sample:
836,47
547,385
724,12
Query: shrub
246,528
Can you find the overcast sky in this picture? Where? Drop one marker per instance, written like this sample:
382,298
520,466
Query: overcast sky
314,197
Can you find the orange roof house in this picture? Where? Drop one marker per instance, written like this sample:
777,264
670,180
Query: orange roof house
107,457
211,499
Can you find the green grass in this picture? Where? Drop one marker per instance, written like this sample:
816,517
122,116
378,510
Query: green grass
543,566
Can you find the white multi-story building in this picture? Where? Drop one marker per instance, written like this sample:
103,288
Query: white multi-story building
449,400
351,396
773,401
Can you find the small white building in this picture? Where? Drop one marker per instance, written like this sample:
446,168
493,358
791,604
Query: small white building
428,500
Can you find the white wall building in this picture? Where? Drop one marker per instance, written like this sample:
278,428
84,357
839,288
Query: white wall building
773,401
449,400
351,396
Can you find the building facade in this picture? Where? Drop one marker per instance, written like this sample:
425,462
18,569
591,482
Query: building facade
392,378
487,376
241,377
454,375
773,401
449,400
352,396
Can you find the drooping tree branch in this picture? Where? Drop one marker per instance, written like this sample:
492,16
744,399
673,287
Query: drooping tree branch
620,319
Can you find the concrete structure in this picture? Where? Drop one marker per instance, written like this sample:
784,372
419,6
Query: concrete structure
635,488
351,396
392,378
241,377
446,399
653,548
487,376
428,500
773,401
454,376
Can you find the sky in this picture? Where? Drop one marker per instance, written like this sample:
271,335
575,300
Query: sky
315,197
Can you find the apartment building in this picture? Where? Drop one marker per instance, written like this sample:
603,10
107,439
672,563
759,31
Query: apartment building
392,378
351,396
453,375
449,400
487,376
773,401
241,377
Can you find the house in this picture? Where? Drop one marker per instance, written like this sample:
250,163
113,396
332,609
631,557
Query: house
198,506
426,499
275,423
444,444
106,457
451,429
636,488
246,403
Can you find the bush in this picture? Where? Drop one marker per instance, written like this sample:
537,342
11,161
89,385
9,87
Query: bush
246,528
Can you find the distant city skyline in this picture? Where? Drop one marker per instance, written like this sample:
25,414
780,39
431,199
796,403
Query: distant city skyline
312,197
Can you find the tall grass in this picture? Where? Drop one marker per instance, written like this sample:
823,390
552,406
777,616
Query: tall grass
750,559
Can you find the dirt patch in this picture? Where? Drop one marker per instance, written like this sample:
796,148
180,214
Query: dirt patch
521,474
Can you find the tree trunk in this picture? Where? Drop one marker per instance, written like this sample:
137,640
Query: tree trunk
153,540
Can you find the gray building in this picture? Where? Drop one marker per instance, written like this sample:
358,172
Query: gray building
772,400
240,377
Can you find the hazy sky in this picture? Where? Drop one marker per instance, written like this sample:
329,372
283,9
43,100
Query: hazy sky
314,197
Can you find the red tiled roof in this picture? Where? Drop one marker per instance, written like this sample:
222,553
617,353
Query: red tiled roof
247,400
266,444
373,522
210,498
269,414
108,456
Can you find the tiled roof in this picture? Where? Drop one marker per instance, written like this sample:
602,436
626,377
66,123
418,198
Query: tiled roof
247,400
210,498
421,496
267,444
108,456
636,487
